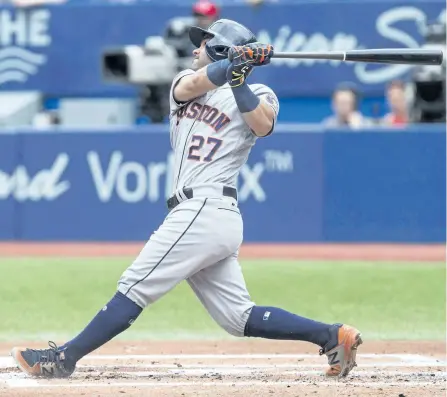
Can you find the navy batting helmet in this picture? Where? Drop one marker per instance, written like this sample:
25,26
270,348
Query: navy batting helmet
223,34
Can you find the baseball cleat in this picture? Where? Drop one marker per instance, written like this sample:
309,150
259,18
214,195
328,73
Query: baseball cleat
342,352
46,363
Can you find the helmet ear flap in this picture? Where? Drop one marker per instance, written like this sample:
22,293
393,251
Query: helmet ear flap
221,51
216,52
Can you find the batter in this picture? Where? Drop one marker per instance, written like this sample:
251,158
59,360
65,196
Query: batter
216,118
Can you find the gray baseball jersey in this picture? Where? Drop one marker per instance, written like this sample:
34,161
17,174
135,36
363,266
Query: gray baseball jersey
200,238
209,136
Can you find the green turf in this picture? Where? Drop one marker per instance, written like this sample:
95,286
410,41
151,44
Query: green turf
49,298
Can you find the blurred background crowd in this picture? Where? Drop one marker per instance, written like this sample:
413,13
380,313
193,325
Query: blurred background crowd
147,67
84,113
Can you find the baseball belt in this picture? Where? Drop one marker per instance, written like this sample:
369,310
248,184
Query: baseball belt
227,191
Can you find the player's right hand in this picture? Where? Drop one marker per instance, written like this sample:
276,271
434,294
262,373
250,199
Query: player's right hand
243,58
257,54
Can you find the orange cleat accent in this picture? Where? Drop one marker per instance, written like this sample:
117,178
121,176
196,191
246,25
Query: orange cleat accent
341,358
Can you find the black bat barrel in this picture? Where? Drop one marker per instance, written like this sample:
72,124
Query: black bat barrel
397,56
393,56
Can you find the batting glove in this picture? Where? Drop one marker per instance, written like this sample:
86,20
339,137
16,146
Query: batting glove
257,54
240,67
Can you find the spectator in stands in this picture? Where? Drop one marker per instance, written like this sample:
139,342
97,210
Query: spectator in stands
345,101
205,13
397,101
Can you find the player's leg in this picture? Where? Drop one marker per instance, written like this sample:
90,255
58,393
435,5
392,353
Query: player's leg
185,243
222,290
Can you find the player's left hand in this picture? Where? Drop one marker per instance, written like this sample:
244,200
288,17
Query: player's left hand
237,72
257,54
239,68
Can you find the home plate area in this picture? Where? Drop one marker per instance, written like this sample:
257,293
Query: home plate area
233,375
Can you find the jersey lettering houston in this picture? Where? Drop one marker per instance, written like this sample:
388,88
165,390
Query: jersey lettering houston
210,139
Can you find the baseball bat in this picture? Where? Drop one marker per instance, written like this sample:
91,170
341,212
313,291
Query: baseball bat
394,56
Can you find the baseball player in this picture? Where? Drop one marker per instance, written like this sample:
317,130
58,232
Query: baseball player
216,117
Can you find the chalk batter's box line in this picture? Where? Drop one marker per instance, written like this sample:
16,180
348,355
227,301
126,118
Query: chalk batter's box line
229,371
403,357
384,364
406,360
207,370
187,370
31,383
260,367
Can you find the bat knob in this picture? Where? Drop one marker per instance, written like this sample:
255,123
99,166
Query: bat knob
230,55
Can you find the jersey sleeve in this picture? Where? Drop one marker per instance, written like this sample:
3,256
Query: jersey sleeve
266,94
173,104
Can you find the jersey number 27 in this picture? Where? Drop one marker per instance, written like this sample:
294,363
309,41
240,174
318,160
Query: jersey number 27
197,143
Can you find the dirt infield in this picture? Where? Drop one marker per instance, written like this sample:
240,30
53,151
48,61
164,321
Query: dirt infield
238,368
369,252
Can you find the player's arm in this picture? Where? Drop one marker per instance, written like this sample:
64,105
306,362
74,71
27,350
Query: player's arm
259,114
261,119
200,82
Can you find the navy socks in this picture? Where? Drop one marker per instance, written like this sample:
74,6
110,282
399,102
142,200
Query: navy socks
263,322
274,323
114,318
